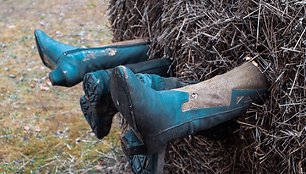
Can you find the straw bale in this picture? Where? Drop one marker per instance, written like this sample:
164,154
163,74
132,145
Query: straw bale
209,37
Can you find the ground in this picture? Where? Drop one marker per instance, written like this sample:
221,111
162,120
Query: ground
42,129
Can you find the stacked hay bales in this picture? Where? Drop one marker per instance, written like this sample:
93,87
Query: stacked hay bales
210,37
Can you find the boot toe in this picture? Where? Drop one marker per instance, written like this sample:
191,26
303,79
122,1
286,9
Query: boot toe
57,77
49,49
39,35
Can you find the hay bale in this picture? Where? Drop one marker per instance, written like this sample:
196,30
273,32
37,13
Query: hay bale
210,37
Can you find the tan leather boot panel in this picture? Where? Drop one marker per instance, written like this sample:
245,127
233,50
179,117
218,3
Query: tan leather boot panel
217,90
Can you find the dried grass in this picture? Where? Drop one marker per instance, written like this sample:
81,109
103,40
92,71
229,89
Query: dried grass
210,37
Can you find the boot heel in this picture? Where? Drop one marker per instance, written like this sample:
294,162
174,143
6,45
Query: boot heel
132,145
140,161
148,164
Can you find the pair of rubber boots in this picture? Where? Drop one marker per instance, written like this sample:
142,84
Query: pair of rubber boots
71,64
156,114
97,105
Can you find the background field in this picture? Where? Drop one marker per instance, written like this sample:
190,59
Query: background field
42,127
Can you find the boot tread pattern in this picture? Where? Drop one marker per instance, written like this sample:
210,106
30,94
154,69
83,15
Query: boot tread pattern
90,88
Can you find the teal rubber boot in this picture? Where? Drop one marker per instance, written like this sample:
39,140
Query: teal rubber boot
97,105
159,117
69,64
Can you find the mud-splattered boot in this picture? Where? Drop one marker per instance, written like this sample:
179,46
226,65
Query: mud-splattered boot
159,117
69,63
97,104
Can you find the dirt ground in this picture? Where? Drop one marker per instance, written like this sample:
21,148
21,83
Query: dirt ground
42,129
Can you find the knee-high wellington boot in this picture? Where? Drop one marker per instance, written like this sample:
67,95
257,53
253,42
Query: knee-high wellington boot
97,104
70,63
158,117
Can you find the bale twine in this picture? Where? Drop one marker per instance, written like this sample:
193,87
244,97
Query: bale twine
209,37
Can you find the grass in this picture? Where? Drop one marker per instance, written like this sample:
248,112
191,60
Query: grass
42,127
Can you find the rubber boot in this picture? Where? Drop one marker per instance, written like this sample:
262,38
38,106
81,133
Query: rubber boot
97,105
159,117
69,63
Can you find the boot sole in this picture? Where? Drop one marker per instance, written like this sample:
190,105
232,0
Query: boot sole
85,107
90,116
118,79
92,88
98,119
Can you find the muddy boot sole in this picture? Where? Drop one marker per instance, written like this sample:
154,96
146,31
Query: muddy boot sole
98,115
93,88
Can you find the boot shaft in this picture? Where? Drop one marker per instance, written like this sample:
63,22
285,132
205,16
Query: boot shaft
150,73
107,56
52,51
74,64
159,83
208,103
